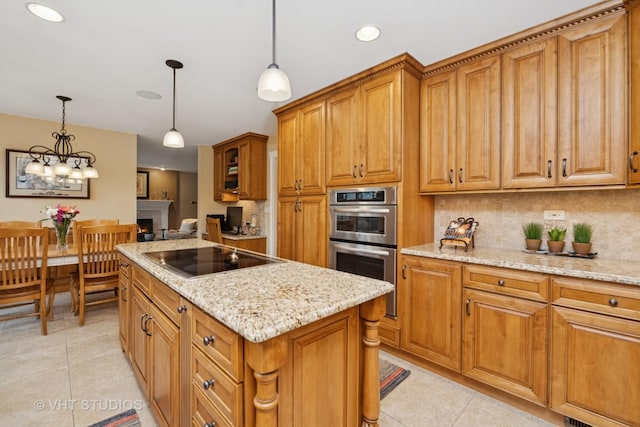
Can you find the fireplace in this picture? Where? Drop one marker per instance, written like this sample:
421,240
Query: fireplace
157,210
145,225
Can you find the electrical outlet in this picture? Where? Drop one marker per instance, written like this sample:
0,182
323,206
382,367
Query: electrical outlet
554,215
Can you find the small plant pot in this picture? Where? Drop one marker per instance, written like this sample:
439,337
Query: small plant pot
581,248
555,246
533,244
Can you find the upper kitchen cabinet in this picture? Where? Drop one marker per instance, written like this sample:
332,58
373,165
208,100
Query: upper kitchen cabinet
592,102
365,120
634,125
240,168
529,115
301,143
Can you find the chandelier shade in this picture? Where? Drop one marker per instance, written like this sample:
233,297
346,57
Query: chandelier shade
173,138
273,84
61,161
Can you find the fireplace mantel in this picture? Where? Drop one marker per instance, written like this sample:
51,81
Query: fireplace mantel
158,210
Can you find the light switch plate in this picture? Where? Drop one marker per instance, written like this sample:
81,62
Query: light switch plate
554,215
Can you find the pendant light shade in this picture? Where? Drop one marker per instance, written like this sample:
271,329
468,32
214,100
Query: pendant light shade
273,84
173,138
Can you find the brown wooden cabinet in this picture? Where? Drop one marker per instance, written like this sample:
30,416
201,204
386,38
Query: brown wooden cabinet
302,229
125,292
301,145
634,96
429,297
256,245
364,132
595,342
529,115
592,110
240,168
504,341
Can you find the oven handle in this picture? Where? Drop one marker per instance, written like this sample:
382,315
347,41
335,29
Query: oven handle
360,210
361,251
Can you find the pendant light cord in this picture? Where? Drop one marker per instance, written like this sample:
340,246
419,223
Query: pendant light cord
273,34
174,100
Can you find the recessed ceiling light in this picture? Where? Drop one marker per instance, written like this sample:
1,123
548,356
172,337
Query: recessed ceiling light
368,33
148,94
45,12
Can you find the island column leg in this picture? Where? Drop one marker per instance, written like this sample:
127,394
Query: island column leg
265,359
371,312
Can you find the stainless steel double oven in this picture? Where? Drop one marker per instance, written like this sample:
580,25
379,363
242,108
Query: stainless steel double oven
362,237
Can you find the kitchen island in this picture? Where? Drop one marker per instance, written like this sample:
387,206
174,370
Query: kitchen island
281,344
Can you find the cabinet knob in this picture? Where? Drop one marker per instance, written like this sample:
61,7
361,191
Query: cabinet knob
613,302
208,383
501,282
211,424
208,340
182,308
124,264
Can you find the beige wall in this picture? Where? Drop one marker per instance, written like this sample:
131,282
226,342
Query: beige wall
113,195
614,214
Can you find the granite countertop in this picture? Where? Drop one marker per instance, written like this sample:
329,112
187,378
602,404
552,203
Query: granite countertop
243,236
627,272
262,302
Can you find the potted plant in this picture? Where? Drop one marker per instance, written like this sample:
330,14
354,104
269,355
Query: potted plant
582,238
533,235
556,239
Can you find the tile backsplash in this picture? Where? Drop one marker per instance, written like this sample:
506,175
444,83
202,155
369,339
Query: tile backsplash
614,215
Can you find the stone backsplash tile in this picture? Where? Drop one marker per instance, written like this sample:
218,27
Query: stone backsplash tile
614,215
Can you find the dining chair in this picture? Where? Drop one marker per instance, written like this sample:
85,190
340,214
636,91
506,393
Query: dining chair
23,273
98,263
20,224
213,230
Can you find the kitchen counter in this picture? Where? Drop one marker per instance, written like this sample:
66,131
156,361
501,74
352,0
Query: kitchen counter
231,236
626,272
260,303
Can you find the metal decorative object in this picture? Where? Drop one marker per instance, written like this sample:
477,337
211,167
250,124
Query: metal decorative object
459,232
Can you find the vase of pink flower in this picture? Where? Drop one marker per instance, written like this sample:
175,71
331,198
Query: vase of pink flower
61,216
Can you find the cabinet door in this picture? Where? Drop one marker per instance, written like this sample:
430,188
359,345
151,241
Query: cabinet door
218,174
287,152
438,132
342,138
380,158
529,115
592,115
124,298
478,117
139,343
287,210
594,367
429,295
311,149
164,388
311,239
504,343
634,124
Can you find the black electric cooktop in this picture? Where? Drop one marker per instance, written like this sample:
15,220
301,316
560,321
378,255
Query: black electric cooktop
200,261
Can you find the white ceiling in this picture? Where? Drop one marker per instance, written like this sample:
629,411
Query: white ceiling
105,51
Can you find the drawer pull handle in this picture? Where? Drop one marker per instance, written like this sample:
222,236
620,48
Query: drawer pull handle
146,328
549,163
450,176
631,157
564,167
501,282
208,383
467,306
182,308
613,302
404,269
208,340
123,293
211,424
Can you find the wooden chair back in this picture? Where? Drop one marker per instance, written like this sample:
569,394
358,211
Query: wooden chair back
214,231
23,271
20,224
92,222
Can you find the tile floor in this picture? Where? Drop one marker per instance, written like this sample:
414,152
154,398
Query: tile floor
77,376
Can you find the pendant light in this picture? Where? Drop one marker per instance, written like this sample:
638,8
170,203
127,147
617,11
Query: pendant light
273,84
173,138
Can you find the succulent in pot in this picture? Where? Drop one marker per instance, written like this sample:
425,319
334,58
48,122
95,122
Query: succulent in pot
533,235
582,233
556,239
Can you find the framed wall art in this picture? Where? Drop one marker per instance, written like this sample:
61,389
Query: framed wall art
21,184
142,185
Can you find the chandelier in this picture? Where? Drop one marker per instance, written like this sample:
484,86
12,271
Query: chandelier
62,162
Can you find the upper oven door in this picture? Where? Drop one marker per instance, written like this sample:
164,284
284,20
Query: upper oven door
371,224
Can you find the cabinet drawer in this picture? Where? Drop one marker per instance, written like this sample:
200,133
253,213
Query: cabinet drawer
142,280
125,266
204,413
600,297
166,299
224,393
511,282
218,342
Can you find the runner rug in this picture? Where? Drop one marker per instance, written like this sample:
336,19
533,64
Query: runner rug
390,376
126,419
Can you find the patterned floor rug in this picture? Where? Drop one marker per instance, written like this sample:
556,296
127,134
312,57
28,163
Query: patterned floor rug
390,376
126,419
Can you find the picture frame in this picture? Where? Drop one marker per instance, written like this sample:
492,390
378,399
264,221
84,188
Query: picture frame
21,184
142,185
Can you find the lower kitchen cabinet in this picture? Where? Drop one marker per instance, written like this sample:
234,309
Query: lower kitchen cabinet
124,303
429,296
302,229
505,343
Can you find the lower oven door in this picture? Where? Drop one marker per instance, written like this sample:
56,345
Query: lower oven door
366,260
